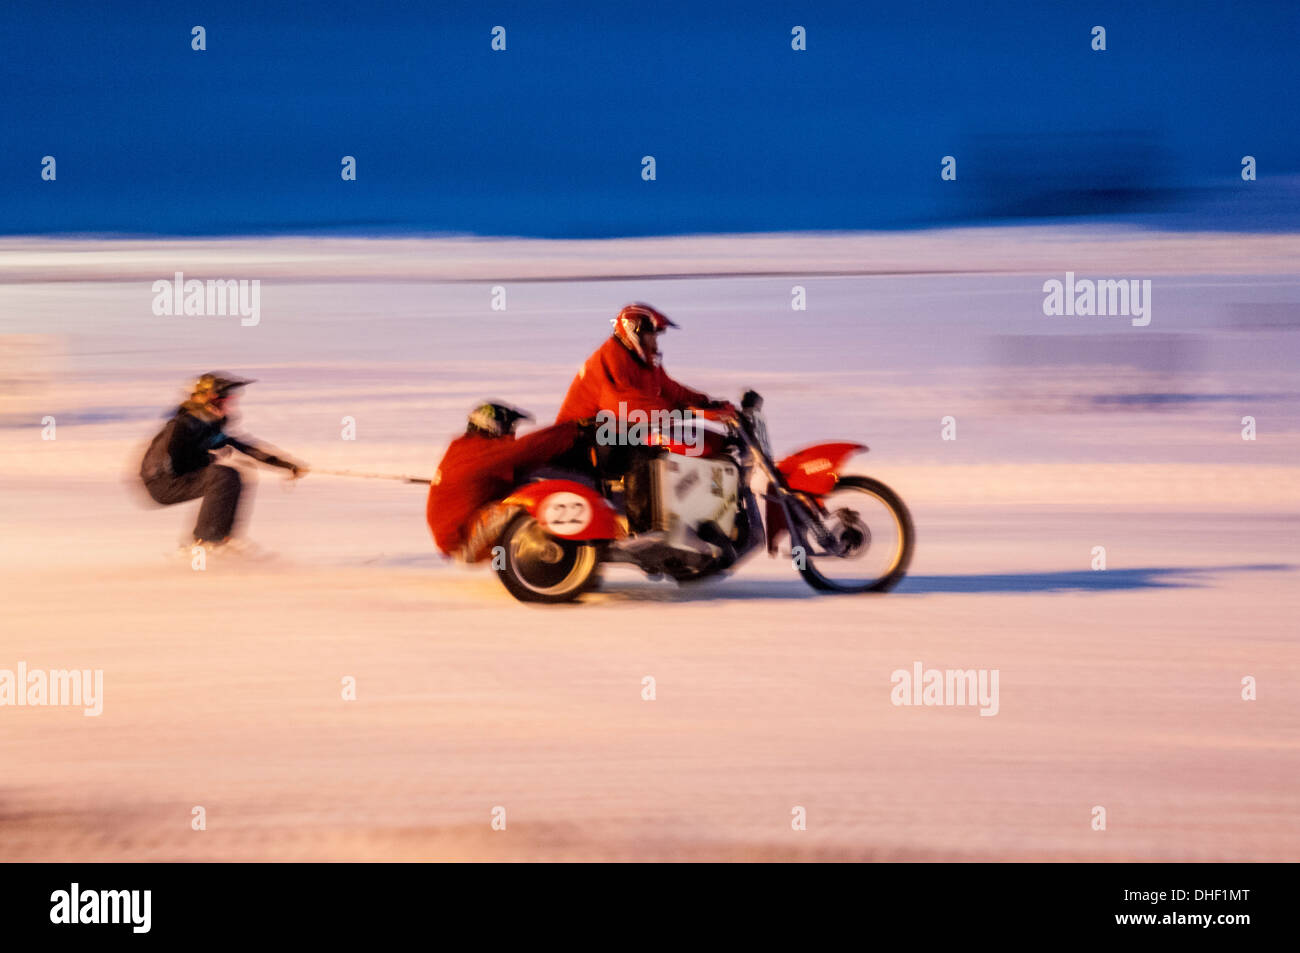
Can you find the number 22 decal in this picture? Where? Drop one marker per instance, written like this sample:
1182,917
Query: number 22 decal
565,513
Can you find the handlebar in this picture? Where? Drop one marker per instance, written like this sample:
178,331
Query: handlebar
713,413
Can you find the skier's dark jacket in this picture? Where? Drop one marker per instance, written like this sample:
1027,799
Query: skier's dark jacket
185,445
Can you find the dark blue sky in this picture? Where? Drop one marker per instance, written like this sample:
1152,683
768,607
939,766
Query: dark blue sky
546,138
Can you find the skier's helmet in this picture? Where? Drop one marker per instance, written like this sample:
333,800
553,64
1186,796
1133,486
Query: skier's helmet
637,327
492,419
218,384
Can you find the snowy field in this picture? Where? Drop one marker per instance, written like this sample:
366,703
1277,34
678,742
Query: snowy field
1119,688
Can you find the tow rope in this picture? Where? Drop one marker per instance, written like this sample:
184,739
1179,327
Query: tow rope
370,476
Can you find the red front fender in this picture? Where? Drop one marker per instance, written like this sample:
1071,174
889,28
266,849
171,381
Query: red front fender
568,510
816,469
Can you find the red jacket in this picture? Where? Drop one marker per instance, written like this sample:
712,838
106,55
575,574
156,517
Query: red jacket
612,375
477,470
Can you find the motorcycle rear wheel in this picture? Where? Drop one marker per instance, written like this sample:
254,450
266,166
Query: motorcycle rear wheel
899,558
541,568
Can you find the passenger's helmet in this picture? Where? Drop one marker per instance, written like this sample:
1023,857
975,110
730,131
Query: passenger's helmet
216,384
636,327
492,419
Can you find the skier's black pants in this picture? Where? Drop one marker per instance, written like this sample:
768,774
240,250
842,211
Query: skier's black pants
218,485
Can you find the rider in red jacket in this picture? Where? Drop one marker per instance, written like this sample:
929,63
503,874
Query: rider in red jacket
626,369
482,467
623,376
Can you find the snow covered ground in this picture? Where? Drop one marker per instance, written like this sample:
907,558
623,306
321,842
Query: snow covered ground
1119,688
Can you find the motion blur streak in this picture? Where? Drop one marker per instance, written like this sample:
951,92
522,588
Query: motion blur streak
1118,687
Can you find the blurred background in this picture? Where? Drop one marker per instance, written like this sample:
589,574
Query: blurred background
546,138
776,170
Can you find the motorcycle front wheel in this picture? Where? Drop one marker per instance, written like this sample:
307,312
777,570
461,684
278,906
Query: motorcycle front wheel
873,532
541,568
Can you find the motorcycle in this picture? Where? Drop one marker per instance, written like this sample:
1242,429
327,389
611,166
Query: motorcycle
846,534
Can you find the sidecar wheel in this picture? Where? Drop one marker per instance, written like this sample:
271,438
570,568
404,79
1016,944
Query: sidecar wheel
541,568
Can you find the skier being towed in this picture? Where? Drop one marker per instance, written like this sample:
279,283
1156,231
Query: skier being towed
179,466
